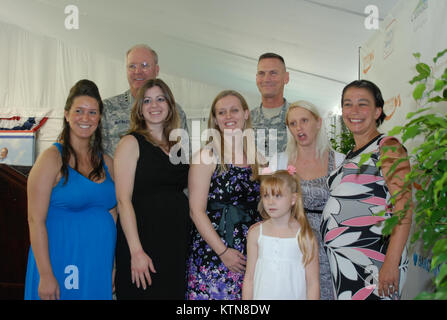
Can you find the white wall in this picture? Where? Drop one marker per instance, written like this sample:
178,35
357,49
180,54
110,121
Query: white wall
387,60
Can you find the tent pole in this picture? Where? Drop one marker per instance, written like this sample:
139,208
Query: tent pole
359,64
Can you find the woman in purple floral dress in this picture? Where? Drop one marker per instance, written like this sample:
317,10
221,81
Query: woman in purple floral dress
223,202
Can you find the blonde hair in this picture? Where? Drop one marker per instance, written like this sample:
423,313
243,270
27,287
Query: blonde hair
322,143
137,121
219,148
274,184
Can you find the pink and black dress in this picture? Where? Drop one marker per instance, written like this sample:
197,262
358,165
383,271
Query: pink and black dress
351,228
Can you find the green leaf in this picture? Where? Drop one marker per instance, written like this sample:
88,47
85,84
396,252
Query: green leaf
425,296
394,166
419,91
364,157
439,55
380,214
396,130
441,294
440,246
438,259
417,55
439,84
415,236
429,235
410,132
390,223
424,72
437,122
418,78
412,114
442,165
385,149
437,99
423,69
441,275
439,154
382,158
440,185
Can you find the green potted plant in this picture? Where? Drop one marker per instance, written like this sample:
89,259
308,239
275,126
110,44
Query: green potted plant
428,174
343,142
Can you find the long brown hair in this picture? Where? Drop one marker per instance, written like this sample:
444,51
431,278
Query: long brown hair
137,121
219,148
83,88
274,184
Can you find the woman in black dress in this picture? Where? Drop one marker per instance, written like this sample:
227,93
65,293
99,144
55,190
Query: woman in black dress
153,228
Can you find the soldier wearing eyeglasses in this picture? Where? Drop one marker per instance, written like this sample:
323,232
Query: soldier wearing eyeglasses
141,65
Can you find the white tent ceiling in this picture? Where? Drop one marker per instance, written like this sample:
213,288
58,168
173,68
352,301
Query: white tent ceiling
218,41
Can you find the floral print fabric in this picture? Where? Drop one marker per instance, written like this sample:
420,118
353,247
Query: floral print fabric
207,276
352,233
315,194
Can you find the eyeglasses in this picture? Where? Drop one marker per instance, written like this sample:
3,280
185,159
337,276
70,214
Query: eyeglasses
144,66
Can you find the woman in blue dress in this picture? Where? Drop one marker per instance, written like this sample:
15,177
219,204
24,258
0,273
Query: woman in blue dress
71,208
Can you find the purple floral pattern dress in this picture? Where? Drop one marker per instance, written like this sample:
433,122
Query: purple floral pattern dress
232,209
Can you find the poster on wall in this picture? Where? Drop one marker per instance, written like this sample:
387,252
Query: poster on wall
419,16
388,46
18,140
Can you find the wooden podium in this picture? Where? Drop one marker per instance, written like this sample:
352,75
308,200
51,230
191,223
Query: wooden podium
14,232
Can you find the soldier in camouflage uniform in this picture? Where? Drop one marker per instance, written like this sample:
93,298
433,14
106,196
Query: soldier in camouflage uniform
142,65
271,78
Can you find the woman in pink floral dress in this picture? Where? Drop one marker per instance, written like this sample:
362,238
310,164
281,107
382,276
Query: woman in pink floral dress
364,263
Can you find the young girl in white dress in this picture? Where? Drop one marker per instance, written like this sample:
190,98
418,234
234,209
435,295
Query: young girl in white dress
282,251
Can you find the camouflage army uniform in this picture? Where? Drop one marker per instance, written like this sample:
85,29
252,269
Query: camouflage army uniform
277,122
116,119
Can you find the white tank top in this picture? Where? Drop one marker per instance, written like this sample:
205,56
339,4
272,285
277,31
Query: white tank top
279,273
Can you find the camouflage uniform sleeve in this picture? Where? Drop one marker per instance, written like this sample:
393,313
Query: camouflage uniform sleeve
183,119
277,123
116,121
282,128
254,116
